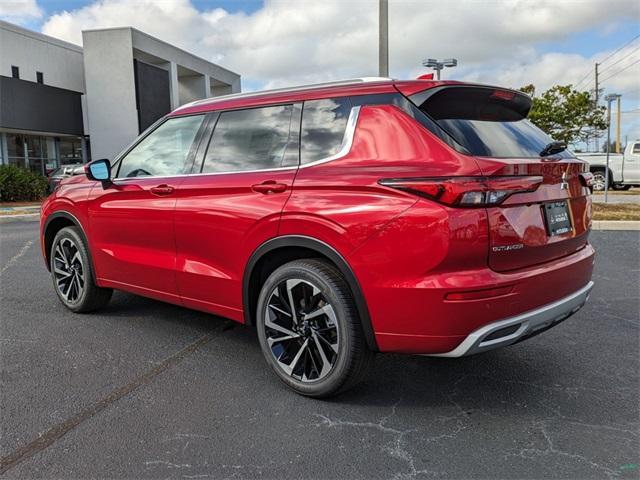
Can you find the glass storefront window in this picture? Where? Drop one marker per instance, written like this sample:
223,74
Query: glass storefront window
42,154
70,151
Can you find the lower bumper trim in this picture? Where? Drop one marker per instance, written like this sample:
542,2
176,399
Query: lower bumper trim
511,330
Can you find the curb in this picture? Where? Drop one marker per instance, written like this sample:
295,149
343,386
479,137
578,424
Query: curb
27,217
632,225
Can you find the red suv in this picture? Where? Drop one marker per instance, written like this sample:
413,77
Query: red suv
339,220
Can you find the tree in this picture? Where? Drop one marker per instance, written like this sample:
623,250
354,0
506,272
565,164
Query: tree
566,114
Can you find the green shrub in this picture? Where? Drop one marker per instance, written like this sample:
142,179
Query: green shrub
21,185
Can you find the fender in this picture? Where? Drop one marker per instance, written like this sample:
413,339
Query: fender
329,252
76,222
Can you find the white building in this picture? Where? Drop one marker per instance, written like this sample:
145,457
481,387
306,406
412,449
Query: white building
57,98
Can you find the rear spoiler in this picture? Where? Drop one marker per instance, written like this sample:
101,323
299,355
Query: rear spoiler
472,102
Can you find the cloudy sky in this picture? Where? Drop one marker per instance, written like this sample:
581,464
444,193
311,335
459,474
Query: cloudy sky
285,42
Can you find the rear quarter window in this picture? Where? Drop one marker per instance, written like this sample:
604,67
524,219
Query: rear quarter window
324,123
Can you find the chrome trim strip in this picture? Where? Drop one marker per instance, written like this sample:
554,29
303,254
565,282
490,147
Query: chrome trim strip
530,322
345,148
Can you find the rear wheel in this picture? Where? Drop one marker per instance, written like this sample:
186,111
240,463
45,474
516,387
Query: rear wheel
599,180
309,329
72,275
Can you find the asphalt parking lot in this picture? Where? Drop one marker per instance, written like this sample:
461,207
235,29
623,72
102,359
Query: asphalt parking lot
148,390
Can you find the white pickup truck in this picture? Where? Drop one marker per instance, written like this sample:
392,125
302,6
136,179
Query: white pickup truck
624,168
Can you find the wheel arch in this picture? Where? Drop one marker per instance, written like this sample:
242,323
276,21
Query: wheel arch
280,250
56,222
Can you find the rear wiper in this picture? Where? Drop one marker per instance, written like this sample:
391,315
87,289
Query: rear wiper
553,147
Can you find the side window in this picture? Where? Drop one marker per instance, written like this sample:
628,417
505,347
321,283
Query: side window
253,139
323,125
636,148
164,152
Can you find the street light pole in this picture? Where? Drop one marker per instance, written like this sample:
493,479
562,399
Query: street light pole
383,39
609,99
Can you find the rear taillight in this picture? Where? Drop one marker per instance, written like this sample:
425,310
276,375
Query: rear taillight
586,179
465,191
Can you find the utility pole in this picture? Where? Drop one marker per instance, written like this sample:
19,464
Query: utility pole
597,95
383,39
618,147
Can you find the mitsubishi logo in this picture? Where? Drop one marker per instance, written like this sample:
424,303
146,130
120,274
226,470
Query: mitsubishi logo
565,185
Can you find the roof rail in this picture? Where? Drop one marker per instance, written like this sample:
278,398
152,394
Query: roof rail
296,88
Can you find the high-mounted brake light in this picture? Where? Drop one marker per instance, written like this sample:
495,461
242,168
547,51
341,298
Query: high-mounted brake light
503,95
466,191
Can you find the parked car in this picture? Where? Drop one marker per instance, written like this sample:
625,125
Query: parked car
624,168
338,220
55,177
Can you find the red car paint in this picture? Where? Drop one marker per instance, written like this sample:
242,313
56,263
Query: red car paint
428,272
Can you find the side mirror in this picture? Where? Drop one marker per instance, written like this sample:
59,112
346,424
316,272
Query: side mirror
99,170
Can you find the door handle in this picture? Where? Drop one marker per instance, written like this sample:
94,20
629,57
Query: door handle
270,186
162,190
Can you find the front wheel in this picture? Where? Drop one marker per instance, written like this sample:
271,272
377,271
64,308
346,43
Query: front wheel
72,275
309,329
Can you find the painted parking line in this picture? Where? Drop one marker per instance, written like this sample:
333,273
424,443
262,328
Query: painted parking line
13,260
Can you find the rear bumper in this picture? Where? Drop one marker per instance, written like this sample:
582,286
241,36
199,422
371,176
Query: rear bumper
511,330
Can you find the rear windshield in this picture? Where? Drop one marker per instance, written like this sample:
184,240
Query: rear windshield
499,139
487,122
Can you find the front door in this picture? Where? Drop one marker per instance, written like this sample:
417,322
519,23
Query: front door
132,221
631,170
233,204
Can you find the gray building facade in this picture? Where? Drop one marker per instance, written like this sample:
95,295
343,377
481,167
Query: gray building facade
63,104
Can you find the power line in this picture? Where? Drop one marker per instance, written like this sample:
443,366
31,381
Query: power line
622,58
606,59
612,54
575,86
620,71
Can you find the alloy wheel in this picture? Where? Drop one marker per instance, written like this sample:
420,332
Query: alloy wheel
68,270
301,329
598,181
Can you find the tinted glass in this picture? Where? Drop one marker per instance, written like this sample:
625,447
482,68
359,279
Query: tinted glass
323,125
636,148
164,151
253,139
499,139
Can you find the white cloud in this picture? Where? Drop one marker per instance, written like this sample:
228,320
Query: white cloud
20,11
287,42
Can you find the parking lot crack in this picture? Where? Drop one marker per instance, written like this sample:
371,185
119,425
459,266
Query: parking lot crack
397,448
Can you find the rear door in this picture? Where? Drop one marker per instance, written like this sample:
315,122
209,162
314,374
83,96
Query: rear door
527,228
232,202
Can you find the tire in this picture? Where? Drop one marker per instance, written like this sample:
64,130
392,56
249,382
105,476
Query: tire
72,273
599,180
321,355
620,186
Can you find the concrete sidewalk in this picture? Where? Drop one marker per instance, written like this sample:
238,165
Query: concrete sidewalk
19,213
